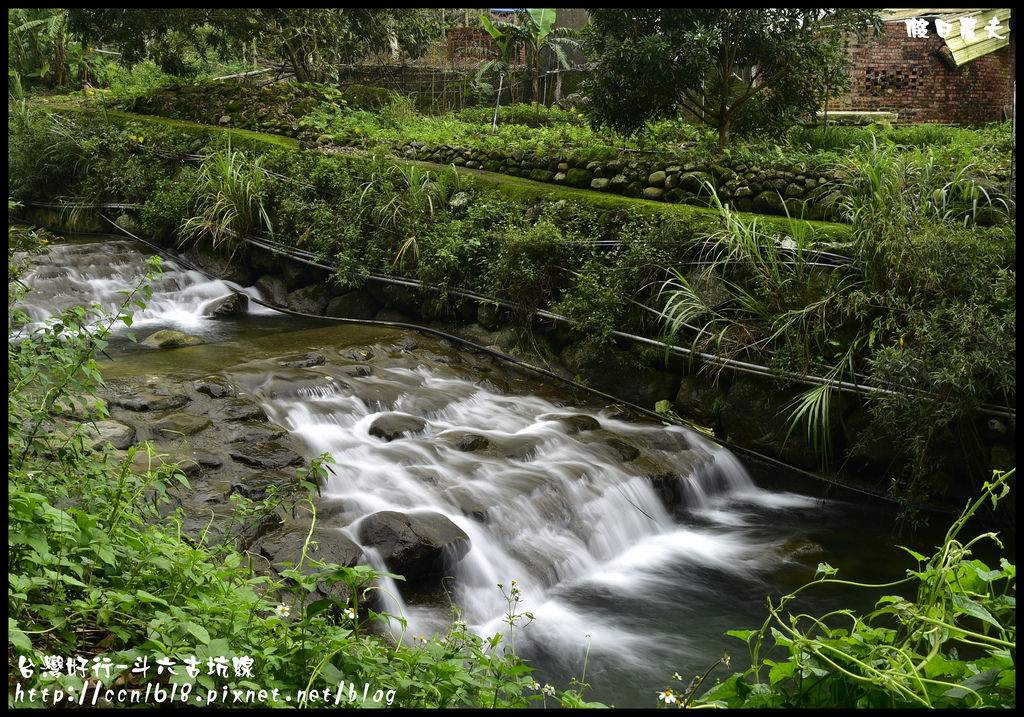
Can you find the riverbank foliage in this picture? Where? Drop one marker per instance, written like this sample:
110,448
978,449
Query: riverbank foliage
923,297
947,640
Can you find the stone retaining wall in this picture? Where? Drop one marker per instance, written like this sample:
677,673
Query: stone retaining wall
746,188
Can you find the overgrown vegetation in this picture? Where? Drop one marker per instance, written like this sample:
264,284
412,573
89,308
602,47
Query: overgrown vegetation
946,640
924,300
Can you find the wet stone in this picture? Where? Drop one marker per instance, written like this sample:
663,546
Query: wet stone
357,371
394,425
151,401
168,338
118,434
627,451
414,545
208,460
213,386
230,305
238,410
305,360
268,454
576,423
255,433
182,423
357,353
255,485
472,442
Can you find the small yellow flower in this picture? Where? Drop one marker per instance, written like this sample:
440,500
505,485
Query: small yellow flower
90,92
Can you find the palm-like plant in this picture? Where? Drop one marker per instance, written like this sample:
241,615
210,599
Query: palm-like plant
418,195
41,50
227,200
767,310
536,36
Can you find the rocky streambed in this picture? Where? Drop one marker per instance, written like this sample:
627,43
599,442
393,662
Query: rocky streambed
214,425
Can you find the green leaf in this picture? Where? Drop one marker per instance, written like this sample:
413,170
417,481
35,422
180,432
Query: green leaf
981,681
966,605
825,569
318,606
781,639
916,556
741,634
198,631
16,636
781,671
147,597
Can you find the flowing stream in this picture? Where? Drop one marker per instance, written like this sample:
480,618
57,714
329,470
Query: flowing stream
619,579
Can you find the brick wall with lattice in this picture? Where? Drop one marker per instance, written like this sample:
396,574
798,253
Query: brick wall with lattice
465,45
916,77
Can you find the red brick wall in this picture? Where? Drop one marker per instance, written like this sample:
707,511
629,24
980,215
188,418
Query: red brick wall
470,37
893,72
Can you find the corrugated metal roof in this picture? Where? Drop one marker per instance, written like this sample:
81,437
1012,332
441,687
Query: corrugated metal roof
944,12
965,51
962,51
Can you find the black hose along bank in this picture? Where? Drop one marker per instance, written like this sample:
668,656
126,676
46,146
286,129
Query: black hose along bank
766,464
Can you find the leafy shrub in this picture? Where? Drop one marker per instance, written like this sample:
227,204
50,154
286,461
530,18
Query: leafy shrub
525,268
947,641
594,306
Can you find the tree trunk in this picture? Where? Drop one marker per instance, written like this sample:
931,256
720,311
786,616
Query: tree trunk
724,132
300,69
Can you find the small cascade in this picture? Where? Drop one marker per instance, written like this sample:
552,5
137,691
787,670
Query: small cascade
84,273
548,497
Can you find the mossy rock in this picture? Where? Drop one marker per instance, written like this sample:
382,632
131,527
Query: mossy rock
362,97
578,178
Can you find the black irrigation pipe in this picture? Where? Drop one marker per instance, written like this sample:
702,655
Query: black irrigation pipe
309,258
614,400
80,205
733,364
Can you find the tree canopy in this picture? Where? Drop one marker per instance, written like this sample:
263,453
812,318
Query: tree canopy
651,63
314,41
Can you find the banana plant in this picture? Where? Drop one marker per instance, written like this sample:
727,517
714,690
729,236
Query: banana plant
536,37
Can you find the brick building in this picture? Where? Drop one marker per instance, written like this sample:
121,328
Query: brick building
911,69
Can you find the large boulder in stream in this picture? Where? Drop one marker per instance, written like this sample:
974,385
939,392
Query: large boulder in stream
390,426
231,305
118,434
284,548
415,545
169,339
155,394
